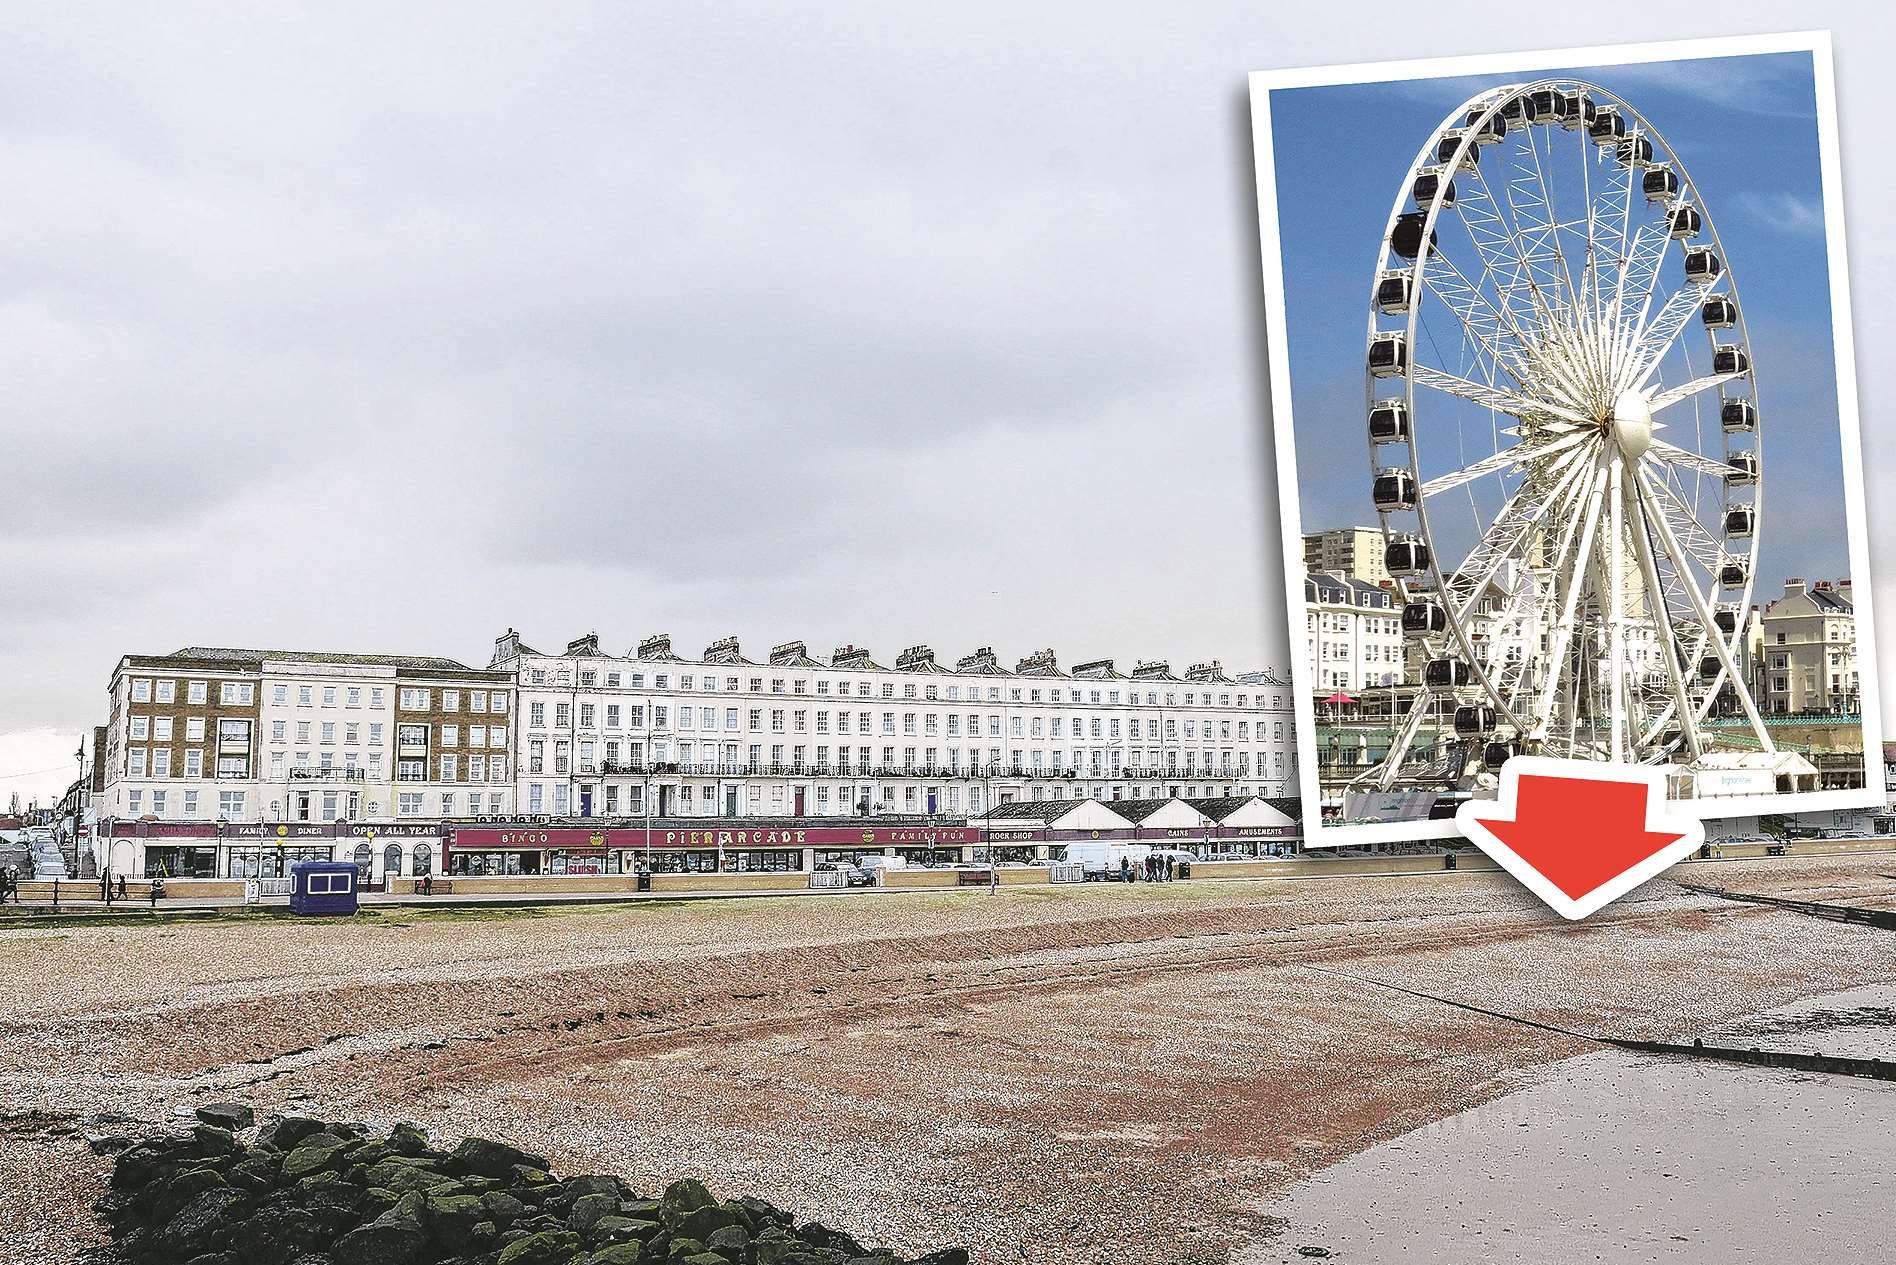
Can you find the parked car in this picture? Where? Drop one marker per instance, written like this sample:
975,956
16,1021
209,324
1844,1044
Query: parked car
853,875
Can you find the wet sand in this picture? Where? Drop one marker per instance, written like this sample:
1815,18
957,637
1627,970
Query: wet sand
1621,1157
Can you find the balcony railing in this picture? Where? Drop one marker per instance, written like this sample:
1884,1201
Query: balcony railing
328,775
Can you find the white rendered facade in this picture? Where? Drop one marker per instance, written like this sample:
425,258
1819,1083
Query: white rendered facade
605,735
247,736
1353,632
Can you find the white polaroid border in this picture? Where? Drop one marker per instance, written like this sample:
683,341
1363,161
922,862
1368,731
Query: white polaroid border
1817,44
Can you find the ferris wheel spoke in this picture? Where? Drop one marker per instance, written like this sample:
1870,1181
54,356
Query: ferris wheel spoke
1531,203
1661,332
1701,546
1506,459
1510,265
1646,553
1686,390
1484,322
1675,455
1513,531
1728,670
1572,569
1491,397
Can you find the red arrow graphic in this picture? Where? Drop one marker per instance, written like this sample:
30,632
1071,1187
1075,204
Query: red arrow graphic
1579,834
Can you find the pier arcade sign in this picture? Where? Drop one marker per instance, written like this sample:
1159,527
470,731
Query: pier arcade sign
537,837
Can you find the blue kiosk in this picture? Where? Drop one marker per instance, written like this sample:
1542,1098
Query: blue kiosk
323,887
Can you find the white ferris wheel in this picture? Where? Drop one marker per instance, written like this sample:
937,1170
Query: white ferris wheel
1565,442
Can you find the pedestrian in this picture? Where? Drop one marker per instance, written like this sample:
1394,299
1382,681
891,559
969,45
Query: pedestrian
1125,869
154,891
121,887
427,884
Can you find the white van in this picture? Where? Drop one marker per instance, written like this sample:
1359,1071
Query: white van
1101,862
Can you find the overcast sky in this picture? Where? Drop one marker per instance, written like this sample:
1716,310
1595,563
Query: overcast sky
383,328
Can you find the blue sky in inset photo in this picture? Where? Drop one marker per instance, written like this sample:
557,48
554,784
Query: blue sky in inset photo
1745,128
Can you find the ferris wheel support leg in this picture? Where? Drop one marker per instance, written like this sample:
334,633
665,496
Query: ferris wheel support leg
1616,599
1399,744
1661,616
1699,608
1569,607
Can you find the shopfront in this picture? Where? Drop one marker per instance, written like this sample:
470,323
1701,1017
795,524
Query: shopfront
180,860
255,860
253,850
673,847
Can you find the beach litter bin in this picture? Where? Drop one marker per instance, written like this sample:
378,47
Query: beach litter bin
645,881
323,887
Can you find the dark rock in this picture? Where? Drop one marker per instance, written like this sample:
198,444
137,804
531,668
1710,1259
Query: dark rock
137,1166
494,1159
233,1116
401,1175
191,1230
275,1234
502,1207
779,1251
622,1230
367,1154
729,1242
310,1193
380,1243
818,1235
548,1247
409,1139
453,1218
284,1132
588,1209
684,1195
702,1223
164,1198
594,1184
310,1158
216,1140
108,1143
259,1171
761,1212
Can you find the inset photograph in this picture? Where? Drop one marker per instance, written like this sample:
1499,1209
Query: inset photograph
1532,320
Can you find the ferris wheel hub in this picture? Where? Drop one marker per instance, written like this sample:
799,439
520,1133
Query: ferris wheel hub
1631,423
